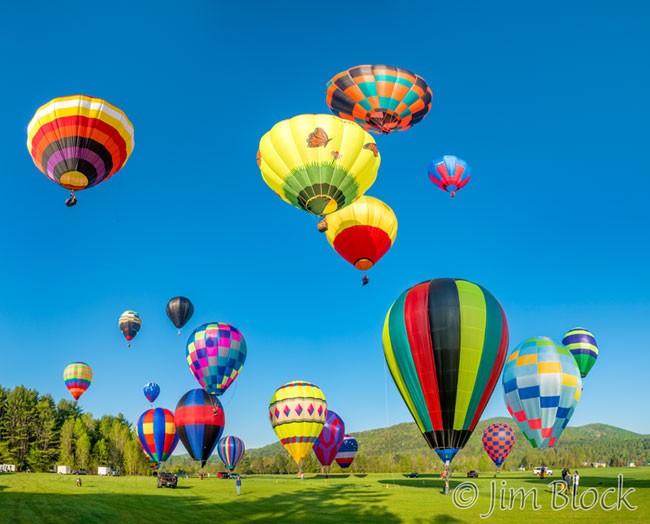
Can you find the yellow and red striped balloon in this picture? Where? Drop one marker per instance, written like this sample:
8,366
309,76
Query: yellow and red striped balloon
79,141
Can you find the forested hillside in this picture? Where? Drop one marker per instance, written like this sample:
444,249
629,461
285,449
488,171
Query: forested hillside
37,433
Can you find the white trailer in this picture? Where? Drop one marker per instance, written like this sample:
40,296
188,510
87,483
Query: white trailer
104,470
63,470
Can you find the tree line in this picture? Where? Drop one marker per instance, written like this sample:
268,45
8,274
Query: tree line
38,434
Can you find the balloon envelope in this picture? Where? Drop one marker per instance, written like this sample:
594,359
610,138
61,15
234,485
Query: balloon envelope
129,324
541,385
297,413
318,163
380,98
449,173
362,232
445,342
498,440
179,310
329,441
79,141
582,345
230,451
200,420
151,391
347,451
157,433
77,377
216,353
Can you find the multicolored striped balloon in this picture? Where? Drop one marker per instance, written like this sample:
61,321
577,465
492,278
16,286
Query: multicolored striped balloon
200,420
380,98
318,163
347,452
541,386
151,391
156,432
216,353
77,377
498,440
362,232
329,441
445,342
230,451
582,345
449,173
129,324
79,141
297,413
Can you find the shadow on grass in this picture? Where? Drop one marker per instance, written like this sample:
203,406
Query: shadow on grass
306,505
433,483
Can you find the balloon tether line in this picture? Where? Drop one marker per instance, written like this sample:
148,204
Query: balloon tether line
390,451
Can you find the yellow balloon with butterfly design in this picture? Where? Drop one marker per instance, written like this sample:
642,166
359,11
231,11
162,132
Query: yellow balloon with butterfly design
318,163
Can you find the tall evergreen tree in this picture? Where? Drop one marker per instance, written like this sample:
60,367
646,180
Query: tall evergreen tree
18,423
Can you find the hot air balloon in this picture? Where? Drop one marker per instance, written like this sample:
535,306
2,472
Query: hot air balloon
157,433
582,345
362,232
129,324
445,342
179,310
329,441
541,385
318,163
449,173
498,440
230,450
380,98
216,353
77,377
79,141
200,420
347,452
297,412
151,391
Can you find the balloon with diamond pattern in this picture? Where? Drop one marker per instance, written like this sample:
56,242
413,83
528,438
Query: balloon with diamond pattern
297,413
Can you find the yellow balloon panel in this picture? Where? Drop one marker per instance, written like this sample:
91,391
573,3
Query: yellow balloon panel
366,211
319,163
297,412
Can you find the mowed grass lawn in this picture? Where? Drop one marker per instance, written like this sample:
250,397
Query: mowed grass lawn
41,497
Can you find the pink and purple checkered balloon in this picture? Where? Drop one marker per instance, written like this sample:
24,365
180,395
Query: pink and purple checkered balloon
216,353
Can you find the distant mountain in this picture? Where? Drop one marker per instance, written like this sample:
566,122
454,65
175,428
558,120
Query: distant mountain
403,444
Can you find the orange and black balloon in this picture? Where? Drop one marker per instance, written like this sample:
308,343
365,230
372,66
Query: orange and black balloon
380,98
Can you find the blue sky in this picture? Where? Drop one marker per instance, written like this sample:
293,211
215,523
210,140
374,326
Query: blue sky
547,103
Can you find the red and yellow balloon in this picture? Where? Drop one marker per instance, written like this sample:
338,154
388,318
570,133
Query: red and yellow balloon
363,232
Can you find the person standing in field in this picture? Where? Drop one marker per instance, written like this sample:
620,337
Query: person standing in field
238,485
576,481
566,478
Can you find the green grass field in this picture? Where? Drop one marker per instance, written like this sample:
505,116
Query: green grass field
35,498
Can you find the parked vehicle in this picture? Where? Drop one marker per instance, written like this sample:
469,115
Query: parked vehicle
80,472
472,474
169,480
538,471
413,475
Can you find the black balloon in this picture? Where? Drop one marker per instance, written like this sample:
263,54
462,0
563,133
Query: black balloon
179,311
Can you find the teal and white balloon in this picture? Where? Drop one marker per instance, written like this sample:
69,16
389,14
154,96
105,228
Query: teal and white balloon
542,387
